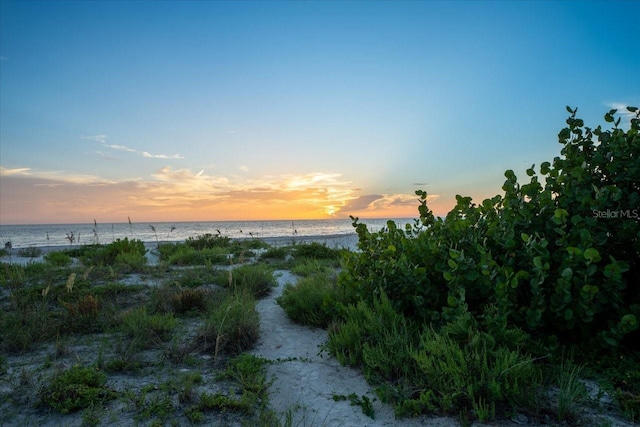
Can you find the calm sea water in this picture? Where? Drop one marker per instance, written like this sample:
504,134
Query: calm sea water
59,234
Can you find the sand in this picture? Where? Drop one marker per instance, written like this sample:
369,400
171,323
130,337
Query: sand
335,241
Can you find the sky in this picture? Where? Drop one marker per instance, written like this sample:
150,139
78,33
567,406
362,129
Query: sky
211,111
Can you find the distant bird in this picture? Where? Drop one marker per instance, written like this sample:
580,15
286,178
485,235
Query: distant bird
218,231
241,231
251,234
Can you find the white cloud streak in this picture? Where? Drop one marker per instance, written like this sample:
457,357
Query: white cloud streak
102,139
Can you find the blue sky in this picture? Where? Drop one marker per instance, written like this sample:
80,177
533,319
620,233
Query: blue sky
206,110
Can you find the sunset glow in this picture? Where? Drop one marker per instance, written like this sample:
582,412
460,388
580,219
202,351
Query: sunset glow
207,111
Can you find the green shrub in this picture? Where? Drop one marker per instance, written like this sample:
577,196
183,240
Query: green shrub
127,252
186,255
376,338
133,260
463,368
233,326
316,251
257,279
189,301
147,330
312,301
546,256
76,388
310,266
208,241
274,253
58,259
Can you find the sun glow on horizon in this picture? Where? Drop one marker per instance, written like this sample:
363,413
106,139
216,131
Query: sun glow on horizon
180,195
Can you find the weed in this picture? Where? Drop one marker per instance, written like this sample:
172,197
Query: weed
256,279
312,301
274,254
232,326
147,330
186,255
76,388
57,259
571,391
364,402
316,250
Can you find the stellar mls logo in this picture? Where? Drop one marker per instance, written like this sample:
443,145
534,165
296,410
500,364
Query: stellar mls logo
617,214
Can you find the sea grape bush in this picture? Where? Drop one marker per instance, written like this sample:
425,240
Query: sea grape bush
559,256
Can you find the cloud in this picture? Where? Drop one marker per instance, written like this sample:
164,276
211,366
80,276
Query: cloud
102,139
171,194
161,156
16,171
120,148
372,203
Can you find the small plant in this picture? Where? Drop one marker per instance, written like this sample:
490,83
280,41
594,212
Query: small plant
57,259
232,326
257,279
571,391
187,255
316,251
312,301
208,241
274,254
76,388
147,330
364,402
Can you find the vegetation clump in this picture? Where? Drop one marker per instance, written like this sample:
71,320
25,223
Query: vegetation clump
76,388
494,293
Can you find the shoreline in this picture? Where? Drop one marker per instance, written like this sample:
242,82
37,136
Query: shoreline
334,241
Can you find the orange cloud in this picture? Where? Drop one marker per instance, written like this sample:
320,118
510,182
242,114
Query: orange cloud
168,195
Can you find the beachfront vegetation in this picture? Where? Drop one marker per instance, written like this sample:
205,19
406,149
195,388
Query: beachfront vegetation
483,312
101,310
515,307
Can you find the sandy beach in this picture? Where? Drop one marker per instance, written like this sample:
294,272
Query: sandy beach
334,241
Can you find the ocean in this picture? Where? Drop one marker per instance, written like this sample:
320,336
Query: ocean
22,236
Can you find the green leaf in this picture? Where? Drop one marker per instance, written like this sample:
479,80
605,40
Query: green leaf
544,168
573,251
560,215
592,255
567,273
568,314
454,254
537,262
452,301
447,276
569,109
564,134
453,264
524,237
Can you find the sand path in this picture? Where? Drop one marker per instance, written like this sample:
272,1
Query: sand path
306,378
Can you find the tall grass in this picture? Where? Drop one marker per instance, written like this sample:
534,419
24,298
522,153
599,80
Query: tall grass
232,326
